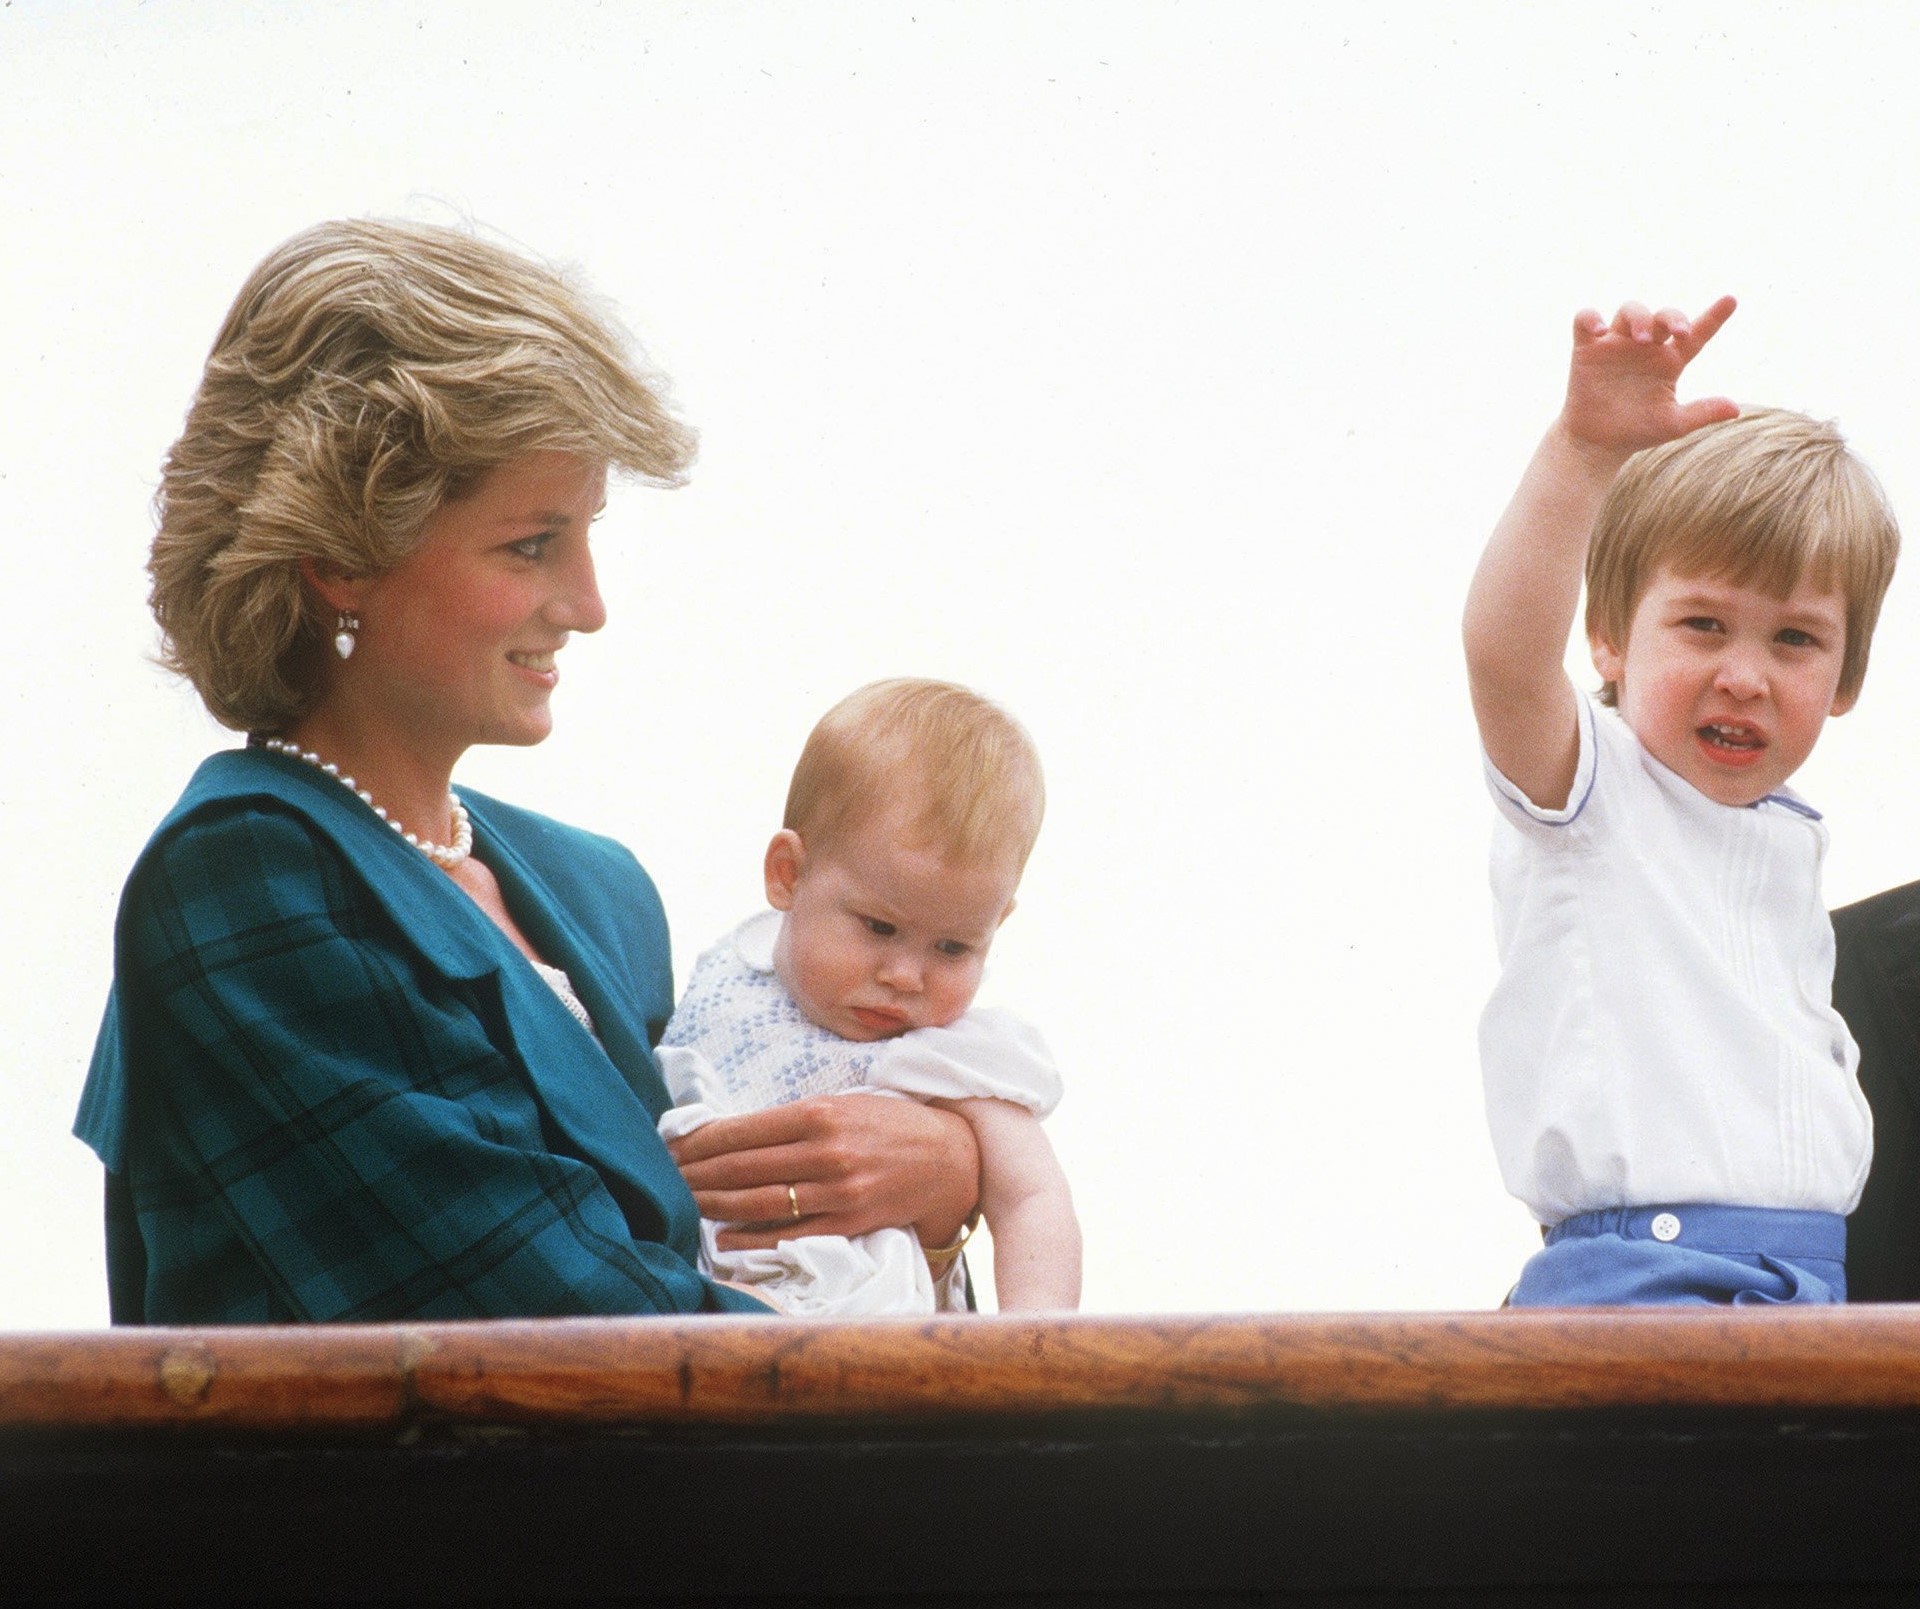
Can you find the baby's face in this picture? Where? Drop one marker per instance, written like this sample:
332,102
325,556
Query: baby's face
882,935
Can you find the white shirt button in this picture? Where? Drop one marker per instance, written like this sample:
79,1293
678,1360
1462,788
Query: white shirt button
1665,1227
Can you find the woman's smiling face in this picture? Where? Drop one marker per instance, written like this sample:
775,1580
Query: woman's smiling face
456,644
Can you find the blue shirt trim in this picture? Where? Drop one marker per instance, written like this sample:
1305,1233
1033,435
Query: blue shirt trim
1799,806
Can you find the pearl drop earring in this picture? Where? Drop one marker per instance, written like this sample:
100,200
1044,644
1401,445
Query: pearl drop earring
343,633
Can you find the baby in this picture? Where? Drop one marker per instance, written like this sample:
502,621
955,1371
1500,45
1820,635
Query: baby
1669,1088
908,823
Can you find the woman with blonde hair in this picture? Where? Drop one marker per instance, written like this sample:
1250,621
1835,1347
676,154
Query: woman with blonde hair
377,1048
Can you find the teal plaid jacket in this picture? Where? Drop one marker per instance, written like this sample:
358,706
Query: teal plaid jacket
328,1087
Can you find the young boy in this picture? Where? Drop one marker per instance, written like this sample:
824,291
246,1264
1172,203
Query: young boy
1669,1088
909,820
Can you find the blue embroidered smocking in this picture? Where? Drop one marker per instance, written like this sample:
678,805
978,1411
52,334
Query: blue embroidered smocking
762,1050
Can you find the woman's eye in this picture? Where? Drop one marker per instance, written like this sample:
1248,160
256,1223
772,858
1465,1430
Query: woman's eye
878,928
532,547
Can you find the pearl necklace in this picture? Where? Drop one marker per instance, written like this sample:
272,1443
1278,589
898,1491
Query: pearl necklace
446,856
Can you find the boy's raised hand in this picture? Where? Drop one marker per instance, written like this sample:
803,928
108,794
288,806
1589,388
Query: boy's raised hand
1620,389
1620,398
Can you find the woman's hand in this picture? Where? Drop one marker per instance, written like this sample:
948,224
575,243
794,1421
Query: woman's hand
848,1163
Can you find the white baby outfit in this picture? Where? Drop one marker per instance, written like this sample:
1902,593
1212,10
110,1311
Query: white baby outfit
738,1042
1663,1028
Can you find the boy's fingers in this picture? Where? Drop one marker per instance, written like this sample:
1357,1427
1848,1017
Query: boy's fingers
1670,321
1707,411
1634,322
1707,325
1588,325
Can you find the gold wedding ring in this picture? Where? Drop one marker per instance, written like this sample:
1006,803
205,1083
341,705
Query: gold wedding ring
793,1201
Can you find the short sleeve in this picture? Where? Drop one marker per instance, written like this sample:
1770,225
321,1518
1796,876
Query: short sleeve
1607,750
987,1053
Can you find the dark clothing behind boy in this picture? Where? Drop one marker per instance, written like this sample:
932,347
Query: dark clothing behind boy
1876,987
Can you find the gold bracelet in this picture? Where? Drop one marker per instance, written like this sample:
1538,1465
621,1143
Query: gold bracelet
948,1253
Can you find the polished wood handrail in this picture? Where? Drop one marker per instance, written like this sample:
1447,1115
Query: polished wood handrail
731,1371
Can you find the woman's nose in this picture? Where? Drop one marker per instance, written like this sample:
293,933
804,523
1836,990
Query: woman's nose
577,604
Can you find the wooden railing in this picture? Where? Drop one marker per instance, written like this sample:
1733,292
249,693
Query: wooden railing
579,1372
1124,1460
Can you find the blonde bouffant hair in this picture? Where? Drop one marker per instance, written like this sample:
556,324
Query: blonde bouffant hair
1765,501
368,373
964,766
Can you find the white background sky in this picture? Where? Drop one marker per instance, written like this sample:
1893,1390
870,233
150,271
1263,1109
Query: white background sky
1157,369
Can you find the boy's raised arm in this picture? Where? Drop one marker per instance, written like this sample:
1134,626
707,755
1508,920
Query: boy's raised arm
1520,608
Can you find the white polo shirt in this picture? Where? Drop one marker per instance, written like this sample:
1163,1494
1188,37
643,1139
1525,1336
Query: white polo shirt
1663,1030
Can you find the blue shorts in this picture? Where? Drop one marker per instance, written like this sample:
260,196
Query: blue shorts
1688,1254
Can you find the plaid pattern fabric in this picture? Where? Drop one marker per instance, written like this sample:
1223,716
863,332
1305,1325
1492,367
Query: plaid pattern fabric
330,1088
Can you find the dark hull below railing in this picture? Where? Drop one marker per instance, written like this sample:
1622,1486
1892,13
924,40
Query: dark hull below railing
1577,1458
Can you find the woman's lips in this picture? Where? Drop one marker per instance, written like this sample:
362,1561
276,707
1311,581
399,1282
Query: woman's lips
537,664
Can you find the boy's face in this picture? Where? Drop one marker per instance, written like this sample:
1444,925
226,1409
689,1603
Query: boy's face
1728,686
882,935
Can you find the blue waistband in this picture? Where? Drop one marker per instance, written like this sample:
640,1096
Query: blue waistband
1740,1231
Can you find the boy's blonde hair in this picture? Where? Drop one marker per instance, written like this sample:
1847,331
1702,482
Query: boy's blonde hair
1764,501
967,765
368,373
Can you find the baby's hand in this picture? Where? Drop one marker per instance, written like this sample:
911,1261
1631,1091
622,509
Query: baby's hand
1620,391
